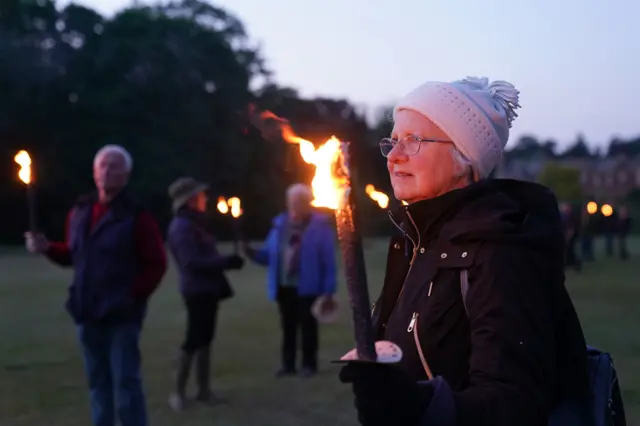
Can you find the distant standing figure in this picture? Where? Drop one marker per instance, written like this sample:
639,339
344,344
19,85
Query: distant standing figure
117,253
571,225
588,232
300,254
203,284
624,227
610,225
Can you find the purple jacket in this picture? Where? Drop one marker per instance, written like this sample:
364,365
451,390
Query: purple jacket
200,265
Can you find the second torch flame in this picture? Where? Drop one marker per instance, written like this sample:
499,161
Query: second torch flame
233,204
379,197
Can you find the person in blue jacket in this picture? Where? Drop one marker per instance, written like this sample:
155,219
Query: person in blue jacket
299,253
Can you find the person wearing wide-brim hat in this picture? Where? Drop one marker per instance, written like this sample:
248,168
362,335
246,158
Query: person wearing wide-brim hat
203,283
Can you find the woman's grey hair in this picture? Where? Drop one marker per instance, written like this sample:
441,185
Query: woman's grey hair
108,149
464,167
300,190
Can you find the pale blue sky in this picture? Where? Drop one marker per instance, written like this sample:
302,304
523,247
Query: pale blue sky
576,62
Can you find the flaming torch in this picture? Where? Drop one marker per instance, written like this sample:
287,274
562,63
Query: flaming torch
332,188
23,159
234,206
236,211
379,197
222,205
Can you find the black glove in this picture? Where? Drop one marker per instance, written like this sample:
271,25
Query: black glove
234,262
385,395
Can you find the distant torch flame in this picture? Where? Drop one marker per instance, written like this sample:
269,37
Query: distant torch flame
236,209
232,205
24,160
222,205
379,197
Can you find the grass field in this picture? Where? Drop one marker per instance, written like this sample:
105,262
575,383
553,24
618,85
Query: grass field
42,381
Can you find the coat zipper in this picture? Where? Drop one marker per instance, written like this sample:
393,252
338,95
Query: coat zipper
413,328
413,257
414,253
413,324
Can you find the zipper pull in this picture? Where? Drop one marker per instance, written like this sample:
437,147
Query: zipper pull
412,324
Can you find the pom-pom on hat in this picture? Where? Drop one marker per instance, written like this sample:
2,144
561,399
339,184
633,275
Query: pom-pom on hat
474,113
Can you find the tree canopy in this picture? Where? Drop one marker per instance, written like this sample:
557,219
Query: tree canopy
171,83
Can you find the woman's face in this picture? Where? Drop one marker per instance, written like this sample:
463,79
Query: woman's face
199,202
428,173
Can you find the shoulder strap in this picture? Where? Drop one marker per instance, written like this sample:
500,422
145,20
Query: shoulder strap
464,287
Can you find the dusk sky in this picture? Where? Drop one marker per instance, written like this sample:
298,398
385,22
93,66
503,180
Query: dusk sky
576,62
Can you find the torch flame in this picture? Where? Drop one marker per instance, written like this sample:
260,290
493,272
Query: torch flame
328,188
379,197
606,210
24,160
236,209
222,205
232,205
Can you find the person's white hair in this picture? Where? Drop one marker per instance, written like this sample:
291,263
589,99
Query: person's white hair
117,149
463,166
300,190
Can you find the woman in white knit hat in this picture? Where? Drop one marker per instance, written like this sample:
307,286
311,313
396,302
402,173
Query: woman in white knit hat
474,291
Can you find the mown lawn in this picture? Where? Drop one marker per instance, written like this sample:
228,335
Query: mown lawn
42,381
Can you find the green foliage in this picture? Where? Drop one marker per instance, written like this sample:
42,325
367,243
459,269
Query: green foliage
170,83
564,181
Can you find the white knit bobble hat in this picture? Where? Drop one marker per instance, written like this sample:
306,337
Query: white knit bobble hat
476,115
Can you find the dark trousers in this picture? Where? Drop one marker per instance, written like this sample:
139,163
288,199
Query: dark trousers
571,257
587,248
295,312
608,243
622,247
202,317
113,369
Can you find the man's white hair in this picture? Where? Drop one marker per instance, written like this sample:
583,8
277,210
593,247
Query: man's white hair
300,190
117,149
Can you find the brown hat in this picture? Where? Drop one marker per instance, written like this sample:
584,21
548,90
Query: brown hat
182,189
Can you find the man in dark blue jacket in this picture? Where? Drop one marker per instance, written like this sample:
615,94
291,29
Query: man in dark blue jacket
203,284
118,257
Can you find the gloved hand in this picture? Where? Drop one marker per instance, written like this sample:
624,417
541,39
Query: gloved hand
234,262
385,395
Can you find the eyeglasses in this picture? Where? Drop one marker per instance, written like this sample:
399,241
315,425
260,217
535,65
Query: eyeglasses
410,145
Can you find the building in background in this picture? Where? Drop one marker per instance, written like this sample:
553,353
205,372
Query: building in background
609,180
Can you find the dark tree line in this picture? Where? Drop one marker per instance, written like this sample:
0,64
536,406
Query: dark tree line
170,83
